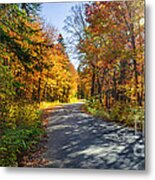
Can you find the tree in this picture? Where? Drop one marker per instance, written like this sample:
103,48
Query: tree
112,49
75,24
30,8
29,51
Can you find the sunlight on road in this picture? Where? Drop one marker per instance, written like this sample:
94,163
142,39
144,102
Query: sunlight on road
79,140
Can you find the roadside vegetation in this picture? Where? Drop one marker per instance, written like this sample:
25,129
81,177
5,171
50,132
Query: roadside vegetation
36,72
34,68
122,114
109,43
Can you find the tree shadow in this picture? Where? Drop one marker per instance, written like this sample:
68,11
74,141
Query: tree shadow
78,140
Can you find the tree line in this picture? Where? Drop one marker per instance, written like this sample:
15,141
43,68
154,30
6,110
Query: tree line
34,67
109,42
40,68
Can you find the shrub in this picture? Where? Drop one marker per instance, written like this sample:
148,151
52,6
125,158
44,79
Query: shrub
119,112
127,114
24,114
16,141
20,129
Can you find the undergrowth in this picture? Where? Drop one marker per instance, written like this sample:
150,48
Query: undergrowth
119,112
21,127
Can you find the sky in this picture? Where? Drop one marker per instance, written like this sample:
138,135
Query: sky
55,14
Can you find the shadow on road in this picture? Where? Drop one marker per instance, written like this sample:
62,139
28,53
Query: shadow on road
79,140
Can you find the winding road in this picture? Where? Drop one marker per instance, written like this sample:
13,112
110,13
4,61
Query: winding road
80,140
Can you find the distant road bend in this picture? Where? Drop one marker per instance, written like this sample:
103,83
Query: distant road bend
79,140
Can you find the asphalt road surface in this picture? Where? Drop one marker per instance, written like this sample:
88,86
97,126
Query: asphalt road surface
79,140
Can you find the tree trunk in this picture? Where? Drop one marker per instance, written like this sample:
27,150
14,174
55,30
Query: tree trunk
39,87
99,91
135,70
115,88
93,81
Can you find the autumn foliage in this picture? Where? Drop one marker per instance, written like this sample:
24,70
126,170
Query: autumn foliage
112,63
34,67
108,39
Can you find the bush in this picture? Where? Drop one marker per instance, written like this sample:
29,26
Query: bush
25,114
16,141
20,122
93,103
127,114
119,112
20,129
95,108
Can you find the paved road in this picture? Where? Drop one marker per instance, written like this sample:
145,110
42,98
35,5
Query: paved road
79,140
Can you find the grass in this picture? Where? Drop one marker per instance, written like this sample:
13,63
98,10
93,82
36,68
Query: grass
46,104
21,128
120,113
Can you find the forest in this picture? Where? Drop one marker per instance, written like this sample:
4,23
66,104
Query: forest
33,68
109,42
107,39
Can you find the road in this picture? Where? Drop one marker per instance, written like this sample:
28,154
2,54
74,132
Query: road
80,140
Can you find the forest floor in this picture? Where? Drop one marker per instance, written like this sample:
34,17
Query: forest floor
80,140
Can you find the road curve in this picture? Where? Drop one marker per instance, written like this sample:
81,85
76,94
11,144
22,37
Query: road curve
79,140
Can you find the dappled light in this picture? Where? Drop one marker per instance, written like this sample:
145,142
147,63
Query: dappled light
72,90
79,140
